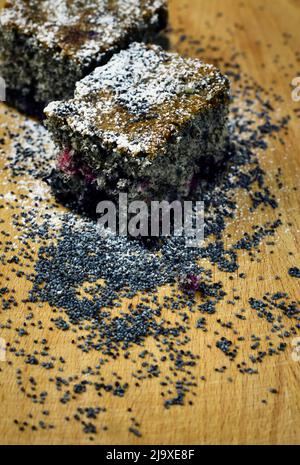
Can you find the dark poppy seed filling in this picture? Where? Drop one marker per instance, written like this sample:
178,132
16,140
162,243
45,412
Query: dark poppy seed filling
147,123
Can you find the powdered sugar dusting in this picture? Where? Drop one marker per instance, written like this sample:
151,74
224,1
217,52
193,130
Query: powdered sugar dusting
142,96
144,77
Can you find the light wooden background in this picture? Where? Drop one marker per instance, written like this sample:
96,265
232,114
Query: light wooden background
223,412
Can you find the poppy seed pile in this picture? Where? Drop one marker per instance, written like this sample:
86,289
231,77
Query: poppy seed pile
84,279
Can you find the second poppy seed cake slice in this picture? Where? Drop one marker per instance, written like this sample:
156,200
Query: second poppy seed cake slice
46,46
145,124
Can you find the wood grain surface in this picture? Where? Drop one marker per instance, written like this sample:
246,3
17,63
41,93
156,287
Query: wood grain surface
265,37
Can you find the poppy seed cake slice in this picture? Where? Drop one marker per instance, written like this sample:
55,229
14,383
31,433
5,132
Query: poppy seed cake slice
46,46
145,123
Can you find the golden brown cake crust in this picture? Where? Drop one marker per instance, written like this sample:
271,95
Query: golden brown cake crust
140,99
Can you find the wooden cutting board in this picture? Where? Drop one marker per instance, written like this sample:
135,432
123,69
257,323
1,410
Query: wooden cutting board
264,36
